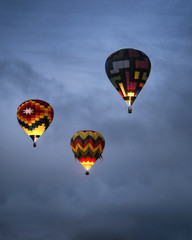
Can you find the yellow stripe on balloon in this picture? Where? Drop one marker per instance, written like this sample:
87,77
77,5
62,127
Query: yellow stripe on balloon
37,131
84,149
87,165
144,77
83,135
137,75
122,89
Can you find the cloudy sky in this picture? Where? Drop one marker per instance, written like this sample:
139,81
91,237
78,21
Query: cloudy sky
56,51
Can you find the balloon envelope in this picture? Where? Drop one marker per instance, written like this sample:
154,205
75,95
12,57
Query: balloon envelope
87,147
35,116
128,70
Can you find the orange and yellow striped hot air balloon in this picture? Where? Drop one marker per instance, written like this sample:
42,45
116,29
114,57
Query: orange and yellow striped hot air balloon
35,116
87,147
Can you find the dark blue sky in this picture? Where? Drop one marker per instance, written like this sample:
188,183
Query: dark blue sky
56,51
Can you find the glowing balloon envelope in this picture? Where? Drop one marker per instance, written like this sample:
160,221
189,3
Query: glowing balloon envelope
87,147
35,116
128,70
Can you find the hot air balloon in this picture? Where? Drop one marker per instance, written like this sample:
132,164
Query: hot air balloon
128,70
87,147
35,116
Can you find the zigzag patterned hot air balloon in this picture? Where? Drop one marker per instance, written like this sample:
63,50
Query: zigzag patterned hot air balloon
87,147
128,70
35,116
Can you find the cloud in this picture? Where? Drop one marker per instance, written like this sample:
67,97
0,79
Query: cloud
17,77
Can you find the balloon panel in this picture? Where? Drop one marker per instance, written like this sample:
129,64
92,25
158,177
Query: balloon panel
128,70
35,116
87,162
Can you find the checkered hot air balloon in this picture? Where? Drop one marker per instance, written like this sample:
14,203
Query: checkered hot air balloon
128,70
87,147
35,116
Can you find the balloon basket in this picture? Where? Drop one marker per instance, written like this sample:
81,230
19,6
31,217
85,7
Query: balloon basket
129,109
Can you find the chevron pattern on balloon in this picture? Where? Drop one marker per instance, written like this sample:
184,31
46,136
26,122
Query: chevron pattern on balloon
87,147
